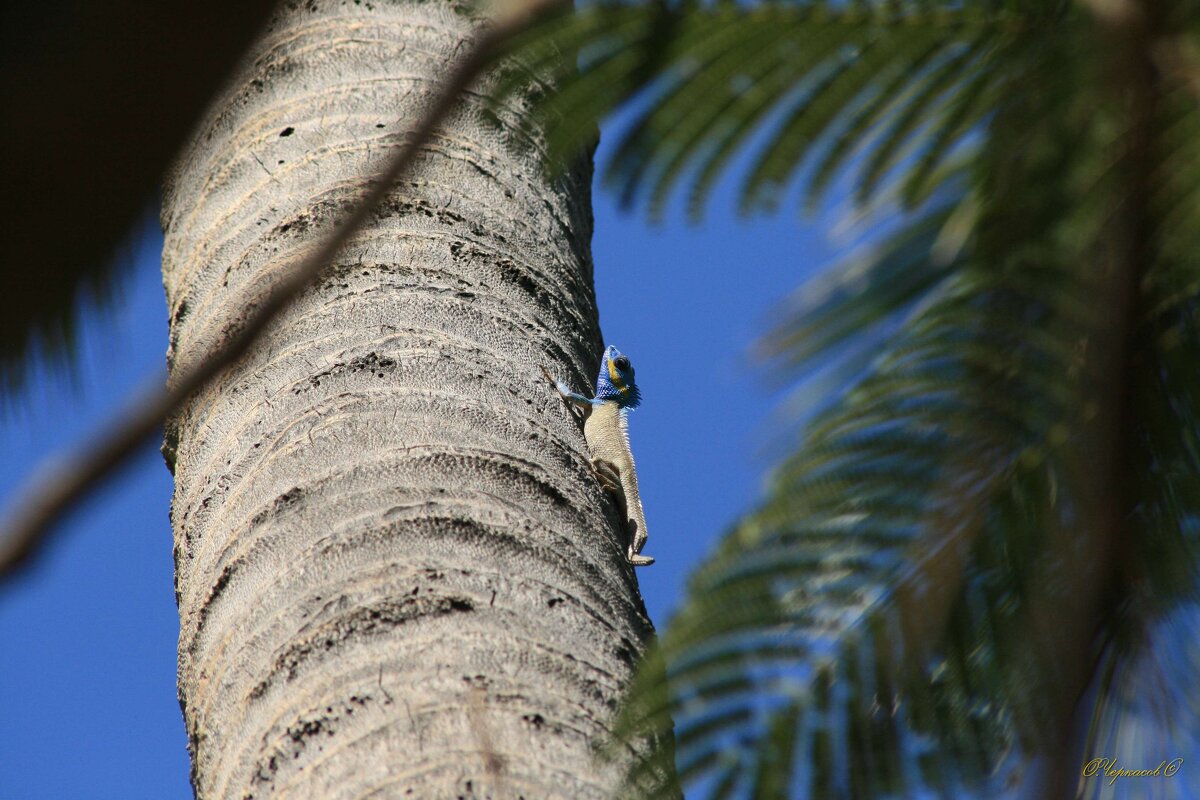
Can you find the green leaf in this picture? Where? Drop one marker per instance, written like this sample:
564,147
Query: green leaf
708,78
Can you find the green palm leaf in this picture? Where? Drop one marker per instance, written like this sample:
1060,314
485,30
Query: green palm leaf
872,628
710,79
96,103
903,612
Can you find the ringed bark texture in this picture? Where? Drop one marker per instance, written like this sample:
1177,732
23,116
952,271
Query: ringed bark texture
396,575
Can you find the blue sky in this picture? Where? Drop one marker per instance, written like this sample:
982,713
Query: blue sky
87,665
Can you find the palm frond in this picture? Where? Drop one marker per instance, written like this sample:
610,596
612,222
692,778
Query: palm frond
892,616
813,598
777,82
868,289
888,620
84,155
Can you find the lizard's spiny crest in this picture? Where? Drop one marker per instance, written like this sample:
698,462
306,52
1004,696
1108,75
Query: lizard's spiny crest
615,381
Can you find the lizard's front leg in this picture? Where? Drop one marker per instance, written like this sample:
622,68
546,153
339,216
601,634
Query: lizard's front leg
573,399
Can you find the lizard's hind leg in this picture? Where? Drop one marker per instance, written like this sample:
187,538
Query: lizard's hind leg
610,478
635,547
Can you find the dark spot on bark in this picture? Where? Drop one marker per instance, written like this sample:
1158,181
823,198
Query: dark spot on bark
222,582
265,772
553,601
281,503
286,500
536,720
360,622
372,363
170,445
380,125
180,313
520,277
406,206
288,131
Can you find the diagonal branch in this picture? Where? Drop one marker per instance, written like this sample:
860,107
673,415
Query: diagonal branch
61,483
1067,635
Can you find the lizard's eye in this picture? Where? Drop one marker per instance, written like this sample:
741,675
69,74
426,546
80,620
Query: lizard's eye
621,363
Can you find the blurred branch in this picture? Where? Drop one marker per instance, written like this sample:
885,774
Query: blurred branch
56,487
1179,58
1091,555
933,580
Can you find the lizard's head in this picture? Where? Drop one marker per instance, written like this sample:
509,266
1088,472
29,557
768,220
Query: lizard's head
615,381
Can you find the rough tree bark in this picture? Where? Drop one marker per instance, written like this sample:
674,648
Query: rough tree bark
396,575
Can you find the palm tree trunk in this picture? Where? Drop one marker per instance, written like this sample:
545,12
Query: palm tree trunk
396,575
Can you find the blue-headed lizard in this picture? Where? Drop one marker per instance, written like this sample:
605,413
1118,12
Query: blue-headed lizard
606,428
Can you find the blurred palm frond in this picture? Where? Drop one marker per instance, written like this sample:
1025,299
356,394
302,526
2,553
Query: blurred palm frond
972,555
98,97
825,84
